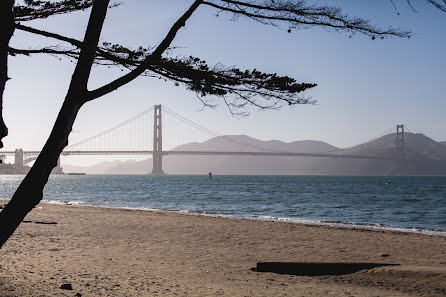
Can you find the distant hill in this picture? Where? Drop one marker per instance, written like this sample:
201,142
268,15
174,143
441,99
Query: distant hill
431,157
443,142
244,142
416,146
229,164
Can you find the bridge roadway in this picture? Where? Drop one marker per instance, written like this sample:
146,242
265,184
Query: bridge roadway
211,153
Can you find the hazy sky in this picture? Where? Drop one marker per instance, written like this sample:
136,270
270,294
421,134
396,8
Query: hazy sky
364,86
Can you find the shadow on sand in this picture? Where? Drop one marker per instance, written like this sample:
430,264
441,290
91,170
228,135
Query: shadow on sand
315,268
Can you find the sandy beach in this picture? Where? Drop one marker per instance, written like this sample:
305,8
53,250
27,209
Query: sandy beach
118,252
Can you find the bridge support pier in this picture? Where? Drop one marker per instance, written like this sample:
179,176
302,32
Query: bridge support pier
400,167
18,157
57,169
400,139
157,142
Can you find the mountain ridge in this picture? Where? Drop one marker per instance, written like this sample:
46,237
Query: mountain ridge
418,146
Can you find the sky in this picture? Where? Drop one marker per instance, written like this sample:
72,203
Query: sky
364,86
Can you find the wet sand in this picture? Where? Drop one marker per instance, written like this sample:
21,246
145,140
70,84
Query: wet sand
119,252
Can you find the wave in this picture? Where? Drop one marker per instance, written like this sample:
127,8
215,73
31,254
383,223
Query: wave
64,202
331,223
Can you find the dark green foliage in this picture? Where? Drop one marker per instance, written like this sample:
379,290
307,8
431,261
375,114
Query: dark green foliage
237,88
125,54
34,9
248,85
263,90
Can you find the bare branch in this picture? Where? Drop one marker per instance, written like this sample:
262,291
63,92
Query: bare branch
298,14
181,22
440,4
73,41
410,5
104,53
73,53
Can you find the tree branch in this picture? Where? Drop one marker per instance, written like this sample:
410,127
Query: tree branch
77,43
73,41
299,14
156,55
72,53
87,55
6,32
440,4
195,74
181,22
37,9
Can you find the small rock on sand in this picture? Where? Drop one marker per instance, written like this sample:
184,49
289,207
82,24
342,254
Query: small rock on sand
66,287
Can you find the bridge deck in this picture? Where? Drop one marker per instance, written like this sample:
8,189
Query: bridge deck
211,153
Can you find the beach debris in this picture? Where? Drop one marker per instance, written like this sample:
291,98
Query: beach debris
66,287
40,222
45,223
385,255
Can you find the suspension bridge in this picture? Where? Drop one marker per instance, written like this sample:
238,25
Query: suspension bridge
159,131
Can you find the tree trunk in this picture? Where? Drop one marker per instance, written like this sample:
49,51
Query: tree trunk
30,191
6,31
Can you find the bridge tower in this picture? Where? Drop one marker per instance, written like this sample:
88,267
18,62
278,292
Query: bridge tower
401,164
400,138
18,157
157,141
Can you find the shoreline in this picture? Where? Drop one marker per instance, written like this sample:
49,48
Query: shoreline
306,222
107,251
400,204
309,222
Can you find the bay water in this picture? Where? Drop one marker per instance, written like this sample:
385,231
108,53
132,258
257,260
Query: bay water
412,203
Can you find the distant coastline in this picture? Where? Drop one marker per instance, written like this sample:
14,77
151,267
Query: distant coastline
13,169
428,158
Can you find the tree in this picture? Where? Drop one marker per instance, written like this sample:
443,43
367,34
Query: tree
10,14
7,25
237,88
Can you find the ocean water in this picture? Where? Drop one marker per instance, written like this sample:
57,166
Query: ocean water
413,204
